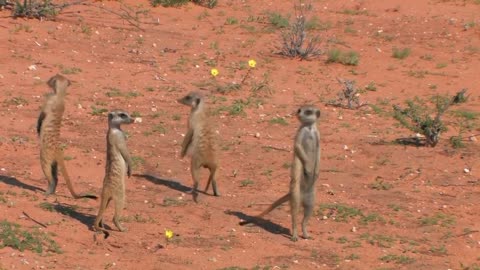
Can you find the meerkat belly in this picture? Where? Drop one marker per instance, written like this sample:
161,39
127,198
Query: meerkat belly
118,166
203,145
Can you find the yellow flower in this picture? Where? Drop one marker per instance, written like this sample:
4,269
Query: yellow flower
214,72
168,234
252,63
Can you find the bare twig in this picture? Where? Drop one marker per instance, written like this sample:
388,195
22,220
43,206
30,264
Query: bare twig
30,218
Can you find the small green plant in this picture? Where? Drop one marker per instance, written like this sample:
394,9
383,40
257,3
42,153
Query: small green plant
398,259
73,70
179,3
350,58
352,257
168,201
438,219
12,235
457,141
427,57
279,121
136,114
231,20
246,182
343,212
47,206
17,101
371,86
137,161
114,92
401,53
231,87
169,3
383,241
418,117
35,9
278,20
441,65
98,111
159,128
379,184
438,251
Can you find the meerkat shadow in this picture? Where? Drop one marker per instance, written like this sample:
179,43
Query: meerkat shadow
411,141
262,223
73,212
175,185
12,181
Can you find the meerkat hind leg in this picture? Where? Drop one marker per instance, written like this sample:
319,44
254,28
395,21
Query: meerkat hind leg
211,178
295,206
308,203
116,216
51,172
195,170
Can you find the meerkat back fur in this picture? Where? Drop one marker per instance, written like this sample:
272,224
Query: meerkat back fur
49,124
200,141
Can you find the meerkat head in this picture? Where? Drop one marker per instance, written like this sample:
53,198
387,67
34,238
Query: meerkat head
119,117
308,114
192,99
58,83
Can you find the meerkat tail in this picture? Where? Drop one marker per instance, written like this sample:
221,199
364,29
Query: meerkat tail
61,164
274,205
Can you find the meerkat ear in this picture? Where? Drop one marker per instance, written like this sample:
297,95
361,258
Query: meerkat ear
51,82
299,111
318,113
197,101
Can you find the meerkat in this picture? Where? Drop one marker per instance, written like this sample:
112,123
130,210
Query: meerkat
118,164
200,142
48,129
304,172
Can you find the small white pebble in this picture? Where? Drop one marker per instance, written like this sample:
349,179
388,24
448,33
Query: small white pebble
354,229
466,170
257,135
138,120
32,67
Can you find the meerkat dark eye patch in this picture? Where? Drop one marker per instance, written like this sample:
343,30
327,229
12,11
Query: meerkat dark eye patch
317,113
308,112
299,111
188,97
122,115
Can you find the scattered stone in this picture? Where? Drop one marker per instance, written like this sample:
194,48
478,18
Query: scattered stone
466,170
354,229
32,67
257,135
138,120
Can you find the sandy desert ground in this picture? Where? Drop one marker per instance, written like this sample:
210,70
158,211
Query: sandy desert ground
380,205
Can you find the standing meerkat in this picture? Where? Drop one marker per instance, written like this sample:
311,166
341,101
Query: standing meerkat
48,129
118,164
304,172
200,142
